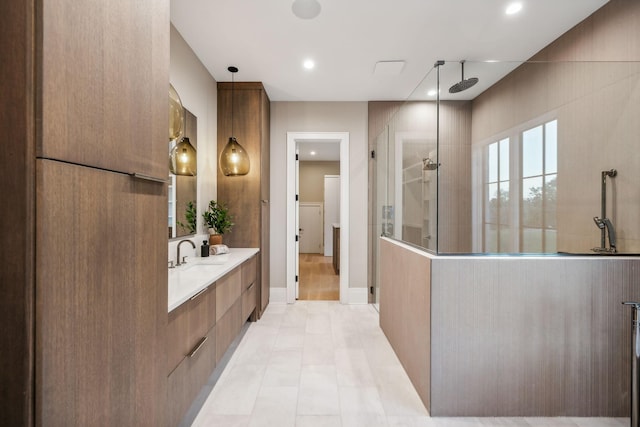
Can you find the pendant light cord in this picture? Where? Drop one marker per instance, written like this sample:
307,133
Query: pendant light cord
232,85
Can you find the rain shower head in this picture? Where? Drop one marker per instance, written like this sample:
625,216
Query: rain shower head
429,165
463,84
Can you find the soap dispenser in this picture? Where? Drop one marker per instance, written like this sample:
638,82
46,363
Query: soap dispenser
204,249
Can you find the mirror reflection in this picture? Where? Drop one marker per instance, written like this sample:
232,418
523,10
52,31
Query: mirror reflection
182,189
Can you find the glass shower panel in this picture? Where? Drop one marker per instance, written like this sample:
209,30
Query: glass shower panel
556,125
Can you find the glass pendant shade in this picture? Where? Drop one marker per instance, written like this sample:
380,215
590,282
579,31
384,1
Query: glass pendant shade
183,159
176,115
234,160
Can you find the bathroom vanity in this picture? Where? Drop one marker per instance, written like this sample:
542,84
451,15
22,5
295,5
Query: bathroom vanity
209,301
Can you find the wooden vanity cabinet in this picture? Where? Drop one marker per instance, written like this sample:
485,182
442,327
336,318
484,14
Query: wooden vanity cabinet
201,330
249,288
188,323
248,196
186,381
228,317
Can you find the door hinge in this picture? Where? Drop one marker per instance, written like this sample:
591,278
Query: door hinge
297,158
296,277
373,154
297,237
297,197
371,289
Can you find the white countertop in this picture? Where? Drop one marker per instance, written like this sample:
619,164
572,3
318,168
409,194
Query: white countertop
187,280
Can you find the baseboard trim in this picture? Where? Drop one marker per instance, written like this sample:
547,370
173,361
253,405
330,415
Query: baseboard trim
358,296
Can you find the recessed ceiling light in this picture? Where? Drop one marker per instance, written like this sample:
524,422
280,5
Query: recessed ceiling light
513,8
309,64
313,153
432,92
306,9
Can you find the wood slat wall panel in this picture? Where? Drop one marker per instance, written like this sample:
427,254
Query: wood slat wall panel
531,337
17,174
405,316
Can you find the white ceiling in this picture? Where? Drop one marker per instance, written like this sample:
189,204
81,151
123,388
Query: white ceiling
269,44
324,150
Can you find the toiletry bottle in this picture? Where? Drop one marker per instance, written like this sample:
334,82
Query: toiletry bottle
204,249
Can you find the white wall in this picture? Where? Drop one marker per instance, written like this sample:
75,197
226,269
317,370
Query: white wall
199,94
320,117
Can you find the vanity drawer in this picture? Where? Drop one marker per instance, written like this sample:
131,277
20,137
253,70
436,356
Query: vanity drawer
248,301
249,272
227,329
187,324
228,291
186,381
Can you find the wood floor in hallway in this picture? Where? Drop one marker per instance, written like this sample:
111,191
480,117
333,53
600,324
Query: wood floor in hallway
318,281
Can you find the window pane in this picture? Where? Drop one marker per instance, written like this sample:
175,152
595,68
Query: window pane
492,163
531,240
532,152
550,201
504,159
505,239
551,147
532,202
550,242
491,204
504,202
490,238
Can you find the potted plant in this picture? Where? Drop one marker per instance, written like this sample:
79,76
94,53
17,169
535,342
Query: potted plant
218,219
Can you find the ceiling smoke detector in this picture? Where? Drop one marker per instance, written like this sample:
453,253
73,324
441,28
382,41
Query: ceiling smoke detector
306,9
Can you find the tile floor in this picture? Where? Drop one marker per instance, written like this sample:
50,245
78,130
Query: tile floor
320,363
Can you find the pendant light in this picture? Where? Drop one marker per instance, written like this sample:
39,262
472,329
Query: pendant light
234,160
182,160
183,156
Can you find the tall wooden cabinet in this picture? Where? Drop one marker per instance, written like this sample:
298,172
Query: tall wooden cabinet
85,309
247,196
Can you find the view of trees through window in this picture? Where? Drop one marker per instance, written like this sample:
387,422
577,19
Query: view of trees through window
528,208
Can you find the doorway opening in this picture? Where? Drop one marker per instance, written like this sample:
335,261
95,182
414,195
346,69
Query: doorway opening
317,215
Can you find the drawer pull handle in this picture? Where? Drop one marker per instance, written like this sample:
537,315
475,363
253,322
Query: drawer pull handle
198,294
198,346
148,177
250,286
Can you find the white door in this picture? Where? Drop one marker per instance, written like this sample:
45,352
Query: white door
331,210
310,228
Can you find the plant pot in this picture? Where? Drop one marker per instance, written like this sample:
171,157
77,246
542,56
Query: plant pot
215,239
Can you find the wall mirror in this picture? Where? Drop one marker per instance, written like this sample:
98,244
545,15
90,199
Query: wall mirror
182,194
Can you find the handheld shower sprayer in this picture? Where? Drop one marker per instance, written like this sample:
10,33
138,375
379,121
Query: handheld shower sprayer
603,223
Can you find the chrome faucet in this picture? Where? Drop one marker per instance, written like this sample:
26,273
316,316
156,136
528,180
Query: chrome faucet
178,251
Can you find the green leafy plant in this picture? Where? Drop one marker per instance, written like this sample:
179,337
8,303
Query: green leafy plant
190,215
217,217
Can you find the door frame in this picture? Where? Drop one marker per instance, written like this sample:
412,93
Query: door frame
293,138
